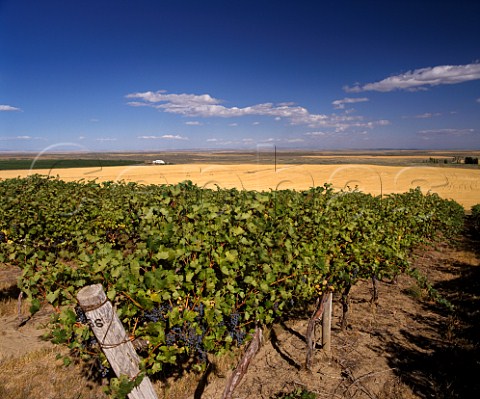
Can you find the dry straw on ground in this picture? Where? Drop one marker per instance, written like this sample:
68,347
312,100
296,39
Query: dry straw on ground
459,184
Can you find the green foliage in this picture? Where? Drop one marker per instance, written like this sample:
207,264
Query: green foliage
471,161
476,218
204,254
119,388
14,164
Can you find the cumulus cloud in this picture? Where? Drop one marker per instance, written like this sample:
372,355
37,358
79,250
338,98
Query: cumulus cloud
192,105
420,79
340,104
8,108
204,105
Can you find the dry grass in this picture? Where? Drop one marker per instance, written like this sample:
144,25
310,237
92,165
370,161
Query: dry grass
462,185
40,374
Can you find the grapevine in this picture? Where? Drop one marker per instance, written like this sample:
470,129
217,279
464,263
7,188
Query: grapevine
193,271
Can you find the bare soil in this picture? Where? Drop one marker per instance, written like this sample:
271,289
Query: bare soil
405,347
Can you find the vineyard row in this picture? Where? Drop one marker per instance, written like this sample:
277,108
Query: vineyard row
193,271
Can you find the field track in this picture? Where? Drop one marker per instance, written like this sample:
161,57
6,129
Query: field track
461,185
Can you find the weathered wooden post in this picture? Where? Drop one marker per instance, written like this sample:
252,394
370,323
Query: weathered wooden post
327,325
242,366
310,338
113,339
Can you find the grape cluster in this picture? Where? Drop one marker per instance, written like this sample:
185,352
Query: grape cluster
58,242
82,318
3,237
186,336
157,314
181,335
101,370
234,329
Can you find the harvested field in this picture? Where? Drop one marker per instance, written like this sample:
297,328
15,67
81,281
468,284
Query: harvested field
459,184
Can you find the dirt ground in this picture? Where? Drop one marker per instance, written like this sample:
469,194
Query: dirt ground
406,347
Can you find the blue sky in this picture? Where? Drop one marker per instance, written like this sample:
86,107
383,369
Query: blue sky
161,75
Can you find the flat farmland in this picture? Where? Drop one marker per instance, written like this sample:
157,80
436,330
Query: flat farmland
457,183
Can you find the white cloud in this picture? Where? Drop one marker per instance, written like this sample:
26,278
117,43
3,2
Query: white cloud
256,123
174,137
192,105
18,138
102,139
295,140
206,106
212,140
443,133
8,108
233,124
340,104
193,123
315,134
427,115
164,137
419,79
478,100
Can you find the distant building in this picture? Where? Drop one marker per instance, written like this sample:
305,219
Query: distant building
158,162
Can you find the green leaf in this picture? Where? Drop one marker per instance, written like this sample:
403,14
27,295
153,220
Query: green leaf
52,296
35,306
236,231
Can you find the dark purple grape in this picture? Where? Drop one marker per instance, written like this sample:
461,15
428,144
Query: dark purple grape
81,317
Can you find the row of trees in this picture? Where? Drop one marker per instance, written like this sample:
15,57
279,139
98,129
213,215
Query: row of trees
455,160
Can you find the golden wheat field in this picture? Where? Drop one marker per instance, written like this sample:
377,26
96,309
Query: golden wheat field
459,184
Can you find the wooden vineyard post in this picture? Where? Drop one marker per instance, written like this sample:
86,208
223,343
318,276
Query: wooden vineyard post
113,339
327,325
